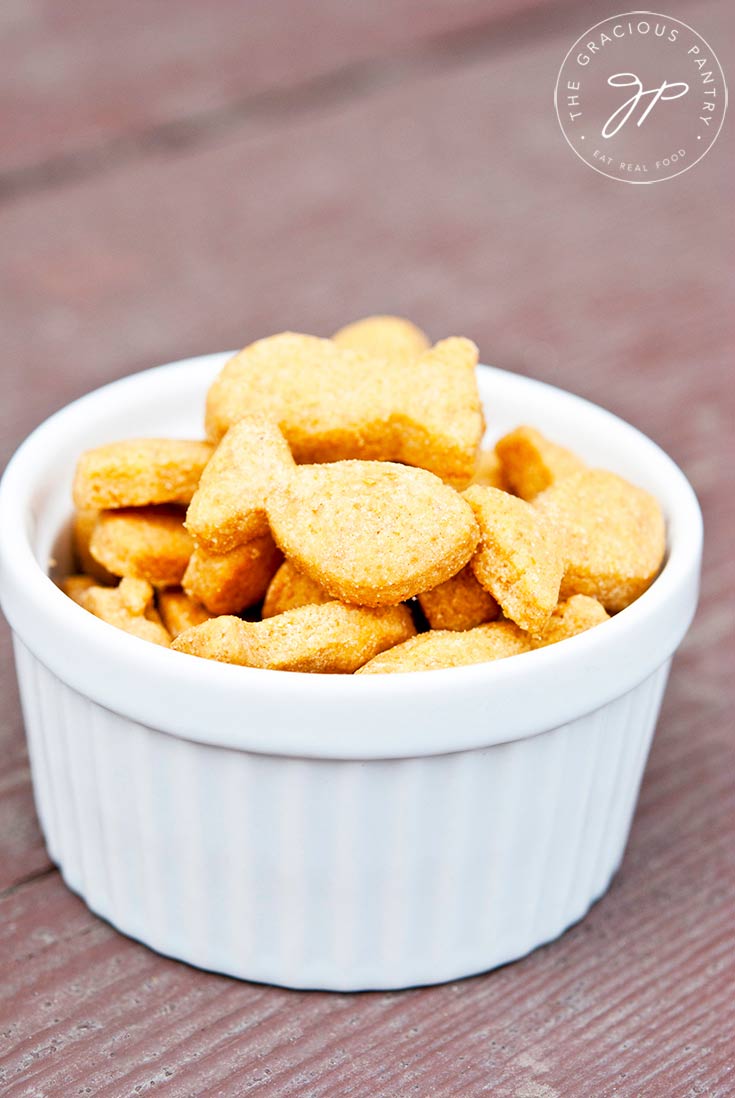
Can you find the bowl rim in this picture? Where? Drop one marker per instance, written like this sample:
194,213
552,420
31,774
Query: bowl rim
204,701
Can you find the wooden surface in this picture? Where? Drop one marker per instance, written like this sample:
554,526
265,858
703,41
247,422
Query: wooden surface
198,175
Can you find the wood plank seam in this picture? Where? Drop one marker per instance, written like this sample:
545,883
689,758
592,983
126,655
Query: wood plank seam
452,49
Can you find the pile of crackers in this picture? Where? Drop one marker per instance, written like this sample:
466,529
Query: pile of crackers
342,517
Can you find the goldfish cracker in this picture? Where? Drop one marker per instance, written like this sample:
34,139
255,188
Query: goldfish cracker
227,583
128,607
381,528
333,403
520,560
138,472
148,543
82,528
615,536
75,586
388,337
489,471
372,533
574,615
441,648
179,612
332,493
529,463
228,507
290,588
328,638
459,603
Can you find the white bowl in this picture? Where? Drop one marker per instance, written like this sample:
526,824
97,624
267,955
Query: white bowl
334,831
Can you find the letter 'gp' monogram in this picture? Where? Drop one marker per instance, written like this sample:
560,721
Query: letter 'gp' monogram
627,80
641,97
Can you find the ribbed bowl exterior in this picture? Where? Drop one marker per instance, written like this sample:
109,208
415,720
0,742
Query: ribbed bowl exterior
339,874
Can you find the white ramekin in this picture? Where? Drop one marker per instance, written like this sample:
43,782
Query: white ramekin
333,831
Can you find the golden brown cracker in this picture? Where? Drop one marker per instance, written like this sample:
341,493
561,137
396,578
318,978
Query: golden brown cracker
290,588
441,649
520,560
489,471
372,533
138,472
459,603
573,616
328,638
83,526
149,543
75,586
179,612
615,536
227,583
228,507
128,607
333,403
389,337
529,462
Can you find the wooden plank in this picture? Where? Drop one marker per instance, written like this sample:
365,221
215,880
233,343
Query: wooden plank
400,206
399,199
74,78
22,851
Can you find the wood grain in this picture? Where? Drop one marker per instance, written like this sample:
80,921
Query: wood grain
86,86
446,193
